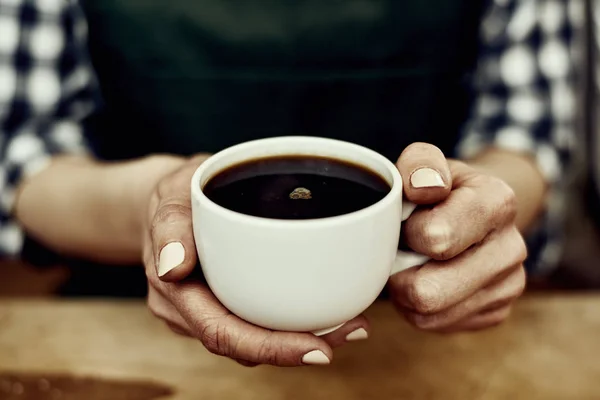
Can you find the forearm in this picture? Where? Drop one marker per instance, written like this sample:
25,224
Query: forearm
522,175
83,208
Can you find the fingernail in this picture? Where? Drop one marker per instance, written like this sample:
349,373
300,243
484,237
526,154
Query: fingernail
315,357
170,257
426,177
359,334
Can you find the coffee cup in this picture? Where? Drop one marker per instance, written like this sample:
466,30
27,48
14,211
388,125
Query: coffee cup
309,275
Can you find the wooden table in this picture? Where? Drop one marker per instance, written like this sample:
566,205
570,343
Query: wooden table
549,350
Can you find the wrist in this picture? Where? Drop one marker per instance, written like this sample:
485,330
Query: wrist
80,207
138,180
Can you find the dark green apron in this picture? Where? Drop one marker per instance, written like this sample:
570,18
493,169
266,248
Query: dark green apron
186,76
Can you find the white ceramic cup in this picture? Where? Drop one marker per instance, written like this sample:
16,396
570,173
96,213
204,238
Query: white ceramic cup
300,275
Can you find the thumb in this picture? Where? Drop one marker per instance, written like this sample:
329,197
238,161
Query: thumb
173,240
171,227
425,173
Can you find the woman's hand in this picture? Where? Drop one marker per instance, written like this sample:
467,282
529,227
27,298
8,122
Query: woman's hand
477,252
189,308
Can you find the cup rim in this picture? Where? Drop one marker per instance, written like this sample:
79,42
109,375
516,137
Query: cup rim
394,194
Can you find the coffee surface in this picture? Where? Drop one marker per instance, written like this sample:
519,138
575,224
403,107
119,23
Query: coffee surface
296,187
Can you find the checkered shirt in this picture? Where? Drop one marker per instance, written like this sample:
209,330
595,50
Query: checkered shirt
524,100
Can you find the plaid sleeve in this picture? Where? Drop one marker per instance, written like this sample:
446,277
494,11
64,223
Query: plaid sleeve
47,88
525,101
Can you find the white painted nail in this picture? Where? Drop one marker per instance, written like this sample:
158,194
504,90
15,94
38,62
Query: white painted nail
426,177
316,357
170,257
359,334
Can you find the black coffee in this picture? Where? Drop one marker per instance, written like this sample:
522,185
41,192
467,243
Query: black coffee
296,187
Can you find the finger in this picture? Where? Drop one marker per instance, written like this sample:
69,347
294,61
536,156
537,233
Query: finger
425,173
499,294
246,363
355,330
438,285
162,308
478,202
481,321
182,331
171,228
224,334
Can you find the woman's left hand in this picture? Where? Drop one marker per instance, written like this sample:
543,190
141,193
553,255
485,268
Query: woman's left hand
476,269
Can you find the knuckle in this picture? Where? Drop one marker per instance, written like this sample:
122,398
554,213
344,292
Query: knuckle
425,296
520,246
506,200
502,301
521,283
511,247
477,209
152,277
496,318
153,204
500,317
216,339
419,151
270,353
150,268
178,328
170,213
493,323
164,186
175,329
510,290
422,322
210,339
437,239
478,180
517,248
151,274
176,180
154,308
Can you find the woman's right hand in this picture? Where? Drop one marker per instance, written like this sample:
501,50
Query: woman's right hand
188,306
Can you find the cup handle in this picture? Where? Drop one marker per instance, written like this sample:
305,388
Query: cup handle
407,259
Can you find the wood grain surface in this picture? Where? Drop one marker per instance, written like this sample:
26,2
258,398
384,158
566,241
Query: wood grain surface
550,349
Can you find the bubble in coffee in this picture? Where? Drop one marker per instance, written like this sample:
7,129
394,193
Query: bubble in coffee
296,187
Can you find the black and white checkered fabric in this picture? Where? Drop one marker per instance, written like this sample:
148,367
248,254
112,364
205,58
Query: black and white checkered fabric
524,103
46,89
